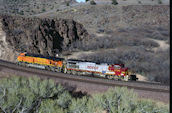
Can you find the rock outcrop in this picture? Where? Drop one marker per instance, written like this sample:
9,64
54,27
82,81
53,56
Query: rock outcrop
6,52
41,36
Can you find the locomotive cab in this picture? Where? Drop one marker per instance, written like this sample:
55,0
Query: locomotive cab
116,67
119,65
122,72
23,54
20,57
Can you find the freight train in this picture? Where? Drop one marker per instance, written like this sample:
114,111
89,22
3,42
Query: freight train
76,67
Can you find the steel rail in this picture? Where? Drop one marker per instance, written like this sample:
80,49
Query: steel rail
86,79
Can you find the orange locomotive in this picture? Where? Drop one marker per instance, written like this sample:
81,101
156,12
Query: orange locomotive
49,63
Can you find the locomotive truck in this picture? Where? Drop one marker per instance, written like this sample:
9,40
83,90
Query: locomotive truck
76,67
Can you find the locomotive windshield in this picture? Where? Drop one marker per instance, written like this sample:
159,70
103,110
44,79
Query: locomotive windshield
117,66
41,56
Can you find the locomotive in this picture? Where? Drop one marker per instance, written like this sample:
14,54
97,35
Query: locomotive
76,67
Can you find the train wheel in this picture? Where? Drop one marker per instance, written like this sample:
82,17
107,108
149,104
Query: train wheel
48,68
109,77
119,79
56,70
133,77
82,73
78,73
64,70
74,73
18,63
59,69
125,78
69,72
53,69
115,77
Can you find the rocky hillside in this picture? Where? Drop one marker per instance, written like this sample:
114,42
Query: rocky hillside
137,2
41,36
29,7
105,17
136,35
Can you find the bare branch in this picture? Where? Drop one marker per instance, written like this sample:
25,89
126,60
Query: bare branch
18,105
3,110
4,93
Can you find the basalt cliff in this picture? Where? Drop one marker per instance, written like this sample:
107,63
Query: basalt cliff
38,36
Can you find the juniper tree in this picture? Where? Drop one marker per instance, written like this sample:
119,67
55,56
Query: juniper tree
92,2
114,2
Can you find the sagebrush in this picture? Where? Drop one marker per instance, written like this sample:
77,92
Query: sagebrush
34,95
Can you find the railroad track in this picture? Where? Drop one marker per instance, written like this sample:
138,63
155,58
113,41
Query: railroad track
154,87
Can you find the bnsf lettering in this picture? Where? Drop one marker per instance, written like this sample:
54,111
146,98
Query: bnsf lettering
92,67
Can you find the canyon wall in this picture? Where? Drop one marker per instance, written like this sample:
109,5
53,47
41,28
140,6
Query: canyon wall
39,36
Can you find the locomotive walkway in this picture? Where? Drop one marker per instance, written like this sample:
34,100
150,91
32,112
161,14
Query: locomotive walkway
153,88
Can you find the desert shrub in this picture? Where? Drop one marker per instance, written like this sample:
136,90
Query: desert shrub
159,2
114,101
160,33
164,33
149,43
111,42
79,105
43,10
117,100
21,13
92,2
15,1
65,100
33,95
67,3
100,30
157,35
105,57
50,106
122,100
114,2
137,42
59,104
139,2
19,94
160,70
150,107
